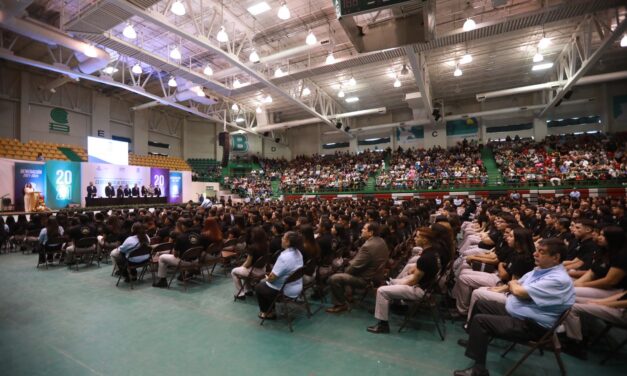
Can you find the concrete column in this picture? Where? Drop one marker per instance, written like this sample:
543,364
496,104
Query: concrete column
100,114
540,129
140,132
605,107
23,125
393,140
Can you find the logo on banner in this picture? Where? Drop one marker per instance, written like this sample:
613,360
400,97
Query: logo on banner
63,185
59,121
239,143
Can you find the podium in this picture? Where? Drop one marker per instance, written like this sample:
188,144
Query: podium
30,201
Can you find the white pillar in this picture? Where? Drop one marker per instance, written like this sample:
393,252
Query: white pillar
540,129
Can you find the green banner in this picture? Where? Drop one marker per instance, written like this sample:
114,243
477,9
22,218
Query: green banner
63,183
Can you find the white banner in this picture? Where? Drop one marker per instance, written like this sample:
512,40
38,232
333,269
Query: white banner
101,174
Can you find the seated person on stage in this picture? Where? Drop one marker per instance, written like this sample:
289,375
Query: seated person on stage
91,190
109,191
127,191
135,191
185,240
412,287
157,191
535,302
120,255
83,230
288,262
151,190
579,258
361,269
119,192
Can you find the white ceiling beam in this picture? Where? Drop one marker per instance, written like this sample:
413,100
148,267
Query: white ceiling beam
569,59
418,65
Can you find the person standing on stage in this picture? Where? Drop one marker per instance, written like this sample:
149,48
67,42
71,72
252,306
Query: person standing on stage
91,190
157,191
109,191
144,191
28,197
127,191
120,192
135,191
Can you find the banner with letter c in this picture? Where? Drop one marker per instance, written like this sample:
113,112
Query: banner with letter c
63,184
160,177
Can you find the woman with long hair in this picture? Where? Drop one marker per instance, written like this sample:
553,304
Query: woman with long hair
311,250
256,249
211,231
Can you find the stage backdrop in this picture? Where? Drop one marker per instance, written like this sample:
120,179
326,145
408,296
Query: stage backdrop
176,187
102,174
63,184
28,173
160,177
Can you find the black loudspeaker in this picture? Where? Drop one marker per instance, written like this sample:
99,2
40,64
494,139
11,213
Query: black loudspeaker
225,142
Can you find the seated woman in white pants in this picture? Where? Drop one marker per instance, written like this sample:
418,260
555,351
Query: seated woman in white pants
608,273
612,309
185,240
412,287
257,249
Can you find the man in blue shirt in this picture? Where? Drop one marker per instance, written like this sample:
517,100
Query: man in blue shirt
534,304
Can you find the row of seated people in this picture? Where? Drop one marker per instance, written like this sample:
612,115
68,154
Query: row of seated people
335,172
435,167
119,192
561,160
355,242
254,185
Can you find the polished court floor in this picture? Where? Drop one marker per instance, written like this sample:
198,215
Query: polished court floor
60,322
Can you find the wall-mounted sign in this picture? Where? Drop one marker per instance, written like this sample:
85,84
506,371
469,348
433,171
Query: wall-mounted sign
59,121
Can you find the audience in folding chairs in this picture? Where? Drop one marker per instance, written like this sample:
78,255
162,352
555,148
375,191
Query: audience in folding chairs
120,255
256,249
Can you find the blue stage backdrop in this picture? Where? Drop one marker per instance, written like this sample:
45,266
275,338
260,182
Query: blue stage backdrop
32,173
63,184
176,187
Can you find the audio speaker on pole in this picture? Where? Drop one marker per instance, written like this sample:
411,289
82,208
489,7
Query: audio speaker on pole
225,141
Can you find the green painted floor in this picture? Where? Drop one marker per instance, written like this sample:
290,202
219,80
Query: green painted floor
59,322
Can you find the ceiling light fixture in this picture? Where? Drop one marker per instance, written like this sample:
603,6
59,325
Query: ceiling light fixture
306,91
538,57
175,53
208,71
258,110
258,8
341,93
235,107
279,72
90,51
469,25
129,32
352,81
284,12
542,66
137,69
466,59
330,59
311,38
352,99
237,84
544,42
222,36
405,70
178,8
172,82
623,41
397,82
110,70
254,56
458,72
268,99
240,119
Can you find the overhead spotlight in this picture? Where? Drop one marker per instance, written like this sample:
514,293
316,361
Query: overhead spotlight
259,110
110,70
268,99
235,107
352,81
338,125
178,8
284,12
405,70
538,57
544,42
172,82
129,32
623,41
254,56
306,91
311,38
542,66
222,36
198,90
466,59
458,72
279,72
341,93
330,58
237,84
137,69
175,54
90,51
347,128
397,82
208,71
469,25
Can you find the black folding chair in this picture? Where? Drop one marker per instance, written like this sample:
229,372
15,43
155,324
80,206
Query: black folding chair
548,341
281,298
86,247
143,250
51,248
613,351
188,261
251,279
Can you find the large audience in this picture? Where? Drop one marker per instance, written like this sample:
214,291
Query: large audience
562,160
